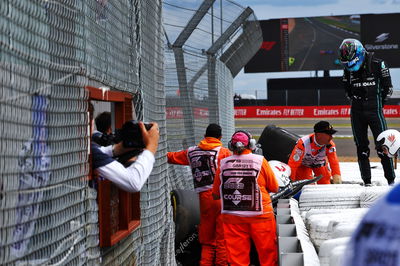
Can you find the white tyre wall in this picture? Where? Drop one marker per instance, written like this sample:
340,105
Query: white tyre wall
330,196
327,247
370,194
344,229
321,226
337,256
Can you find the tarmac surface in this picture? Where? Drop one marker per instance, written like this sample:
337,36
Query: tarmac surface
343,139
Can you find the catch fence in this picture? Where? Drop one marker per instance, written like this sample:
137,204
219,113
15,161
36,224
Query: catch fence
50,51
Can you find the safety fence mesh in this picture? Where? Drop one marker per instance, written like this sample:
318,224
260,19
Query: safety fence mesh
208,42
49,52
44,202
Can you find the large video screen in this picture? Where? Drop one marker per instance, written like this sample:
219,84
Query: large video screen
381,34
311,43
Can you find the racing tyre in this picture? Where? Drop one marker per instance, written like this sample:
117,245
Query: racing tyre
277,143
186,215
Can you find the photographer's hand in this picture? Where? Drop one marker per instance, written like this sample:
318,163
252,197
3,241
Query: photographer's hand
150,137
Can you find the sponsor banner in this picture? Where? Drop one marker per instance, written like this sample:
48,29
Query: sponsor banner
174,112
304,111
200,112
177,112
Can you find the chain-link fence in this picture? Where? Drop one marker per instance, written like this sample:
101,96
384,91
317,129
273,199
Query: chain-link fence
208,42
49,52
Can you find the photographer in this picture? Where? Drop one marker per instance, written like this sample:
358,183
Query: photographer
103,136
132,177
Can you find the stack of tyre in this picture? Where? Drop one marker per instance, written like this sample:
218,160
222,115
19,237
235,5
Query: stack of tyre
331,213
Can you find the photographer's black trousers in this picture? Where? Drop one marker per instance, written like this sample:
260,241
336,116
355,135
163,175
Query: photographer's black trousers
361,118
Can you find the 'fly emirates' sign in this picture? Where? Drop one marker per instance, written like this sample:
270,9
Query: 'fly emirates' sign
304,111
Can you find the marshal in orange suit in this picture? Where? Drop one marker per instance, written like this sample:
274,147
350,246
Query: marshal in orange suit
313,152
203,160
243,183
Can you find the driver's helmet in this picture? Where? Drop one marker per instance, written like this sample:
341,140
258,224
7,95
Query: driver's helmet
390,141
351,54
282,172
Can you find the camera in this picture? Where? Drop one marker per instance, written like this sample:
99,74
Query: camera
103,139
131,137
130,134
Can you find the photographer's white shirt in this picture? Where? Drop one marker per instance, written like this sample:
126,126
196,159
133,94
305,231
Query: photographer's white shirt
131,178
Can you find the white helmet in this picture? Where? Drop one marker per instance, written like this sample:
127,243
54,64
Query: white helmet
390,140
282,172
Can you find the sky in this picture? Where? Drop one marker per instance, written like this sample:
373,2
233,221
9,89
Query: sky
255,84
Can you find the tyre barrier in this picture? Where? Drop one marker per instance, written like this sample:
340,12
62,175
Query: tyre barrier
371,194
325,251
186,216
330,196
337,256
344,230
315,212
321,226
277,143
